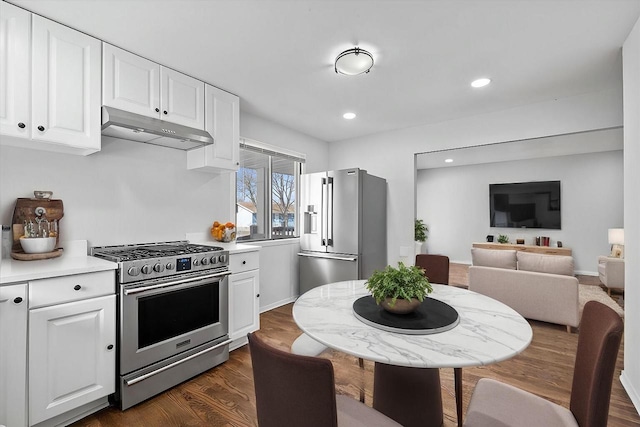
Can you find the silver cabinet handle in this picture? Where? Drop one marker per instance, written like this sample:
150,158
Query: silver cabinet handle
176,363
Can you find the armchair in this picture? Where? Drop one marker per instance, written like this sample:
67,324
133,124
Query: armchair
611,272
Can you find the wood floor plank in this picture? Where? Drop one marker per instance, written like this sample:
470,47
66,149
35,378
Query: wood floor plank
224,396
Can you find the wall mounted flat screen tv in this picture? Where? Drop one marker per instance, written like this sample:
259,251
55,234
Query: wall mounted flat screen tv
525,205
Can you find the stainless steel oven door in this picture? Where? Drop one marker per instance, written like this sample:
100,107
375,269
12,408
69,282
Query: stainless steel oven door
161,319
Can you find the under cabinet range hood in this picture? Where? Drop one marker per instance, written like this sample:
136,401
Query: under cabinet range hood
135,127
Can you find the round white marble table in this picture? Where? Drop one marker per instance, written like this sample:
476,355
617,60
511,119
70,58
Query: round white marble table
488,332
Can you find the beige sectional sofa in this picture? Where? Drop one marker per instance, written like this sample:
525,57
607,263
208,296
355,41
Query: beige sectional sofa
539,287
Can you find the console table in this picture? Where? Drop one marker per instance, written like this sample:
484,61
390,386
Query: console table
547,250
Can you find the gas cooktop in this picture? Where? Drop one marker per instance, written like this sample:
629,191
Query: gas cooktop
120,253
153,261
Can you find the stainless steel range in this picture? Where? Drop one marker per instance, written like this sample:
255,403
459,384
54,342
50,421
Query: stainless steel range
172,314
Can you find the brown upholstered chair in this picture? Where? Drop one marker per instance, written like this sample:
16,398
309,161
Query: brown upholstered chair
496,404
412,396
294,390
436,267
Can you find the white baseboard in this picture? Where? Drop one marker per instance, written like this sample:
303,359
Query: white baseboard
631,391
278,304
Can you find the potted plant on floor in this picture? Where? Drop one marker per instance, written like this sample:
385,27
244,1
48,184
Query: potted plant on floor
399,290
420,235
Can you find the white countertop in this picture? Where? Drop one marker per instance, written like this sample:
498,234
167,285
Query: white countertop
74,260
232,247
489,331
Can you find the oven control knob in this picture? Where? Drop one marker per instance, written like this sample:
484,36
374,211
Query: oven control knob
222,258
158,268
196,261
214,259
146,269
133,271
169,266
205,261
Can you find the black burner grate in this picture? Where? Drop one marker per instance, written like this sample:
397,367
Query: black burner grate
152,250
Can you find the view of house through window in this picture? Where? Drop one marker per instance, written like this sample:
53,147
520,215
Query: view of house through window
266,188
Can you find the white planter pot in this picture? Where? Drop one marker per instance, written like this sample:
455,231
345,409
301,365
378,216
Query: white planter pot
419,246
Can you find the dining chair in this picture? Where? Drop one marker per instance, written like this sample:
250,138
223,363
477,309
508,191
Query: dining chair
497,404
295,390
306,346
436,267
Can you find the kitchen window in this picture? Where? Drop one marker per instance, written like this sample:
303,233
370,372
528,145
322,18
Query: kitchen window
266,189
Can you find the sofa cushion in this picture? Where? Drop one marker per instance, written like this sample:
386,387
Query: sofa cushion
497,258
551,264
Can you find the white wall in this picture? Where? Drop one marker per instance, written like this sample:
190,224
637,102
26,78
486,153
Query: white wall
454,202
127,193
631,77
391,155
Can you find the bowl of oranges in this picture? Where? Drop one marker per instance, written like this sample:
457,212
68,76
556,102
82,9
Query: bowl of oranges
223,232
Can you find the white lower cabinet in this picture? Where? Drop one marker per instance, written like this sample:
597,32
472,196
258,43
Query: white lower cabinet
71,356
244,296
13,355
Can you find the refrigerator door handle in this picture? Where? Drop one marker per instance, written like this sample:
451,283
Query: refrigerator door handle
329,211
323,211
339,258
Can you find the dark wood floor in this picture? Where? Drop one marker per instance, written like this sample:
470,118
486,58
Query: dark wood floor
224,395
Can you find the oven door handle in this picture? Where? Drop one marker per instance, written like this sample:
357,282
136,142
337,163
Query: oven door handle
176,363
174,283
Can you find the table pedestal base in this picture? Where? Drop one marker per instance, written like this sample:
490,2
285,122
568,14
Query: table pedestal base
410,396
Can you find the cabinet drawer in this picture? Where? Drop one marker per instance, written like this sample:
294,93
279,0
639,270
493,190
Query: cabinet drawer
57,290
244,261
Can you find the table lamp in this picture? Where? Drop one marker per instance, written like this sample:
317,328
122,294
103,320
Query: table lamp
616,240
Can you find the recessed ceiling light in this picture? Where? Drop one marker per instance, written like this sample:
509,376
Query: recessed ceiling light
481,82
448,160
349,116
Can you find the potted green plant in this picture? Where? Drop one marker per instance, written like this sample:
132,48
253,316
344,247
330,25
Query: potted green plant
399,290
503,238
420,234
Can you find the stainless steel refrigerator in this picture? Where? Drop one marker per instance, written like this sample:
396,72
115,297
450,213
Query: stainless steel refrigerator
343,232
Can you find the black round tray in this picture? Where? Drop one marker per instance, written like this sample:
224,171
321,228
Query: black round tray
431,317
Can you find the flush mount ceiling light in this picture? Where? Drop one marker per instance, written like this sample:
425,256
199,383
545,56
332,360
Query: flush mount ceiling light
349,116
353,62
448,160
481,82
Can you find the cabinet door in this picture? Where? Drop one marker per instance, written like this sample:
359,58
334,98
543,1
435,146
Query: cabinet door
70,362
66,81
244,305
15,51
222,121
130,82
13,355
182,98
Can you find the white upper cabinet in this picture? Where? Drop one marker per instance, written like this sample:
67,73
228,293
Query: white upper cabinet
135,84
182,98
223,123
15,84
50,84
130,83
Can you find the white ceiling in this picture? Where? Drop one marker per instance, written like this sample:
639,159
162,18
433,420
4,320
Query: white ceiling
278,55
